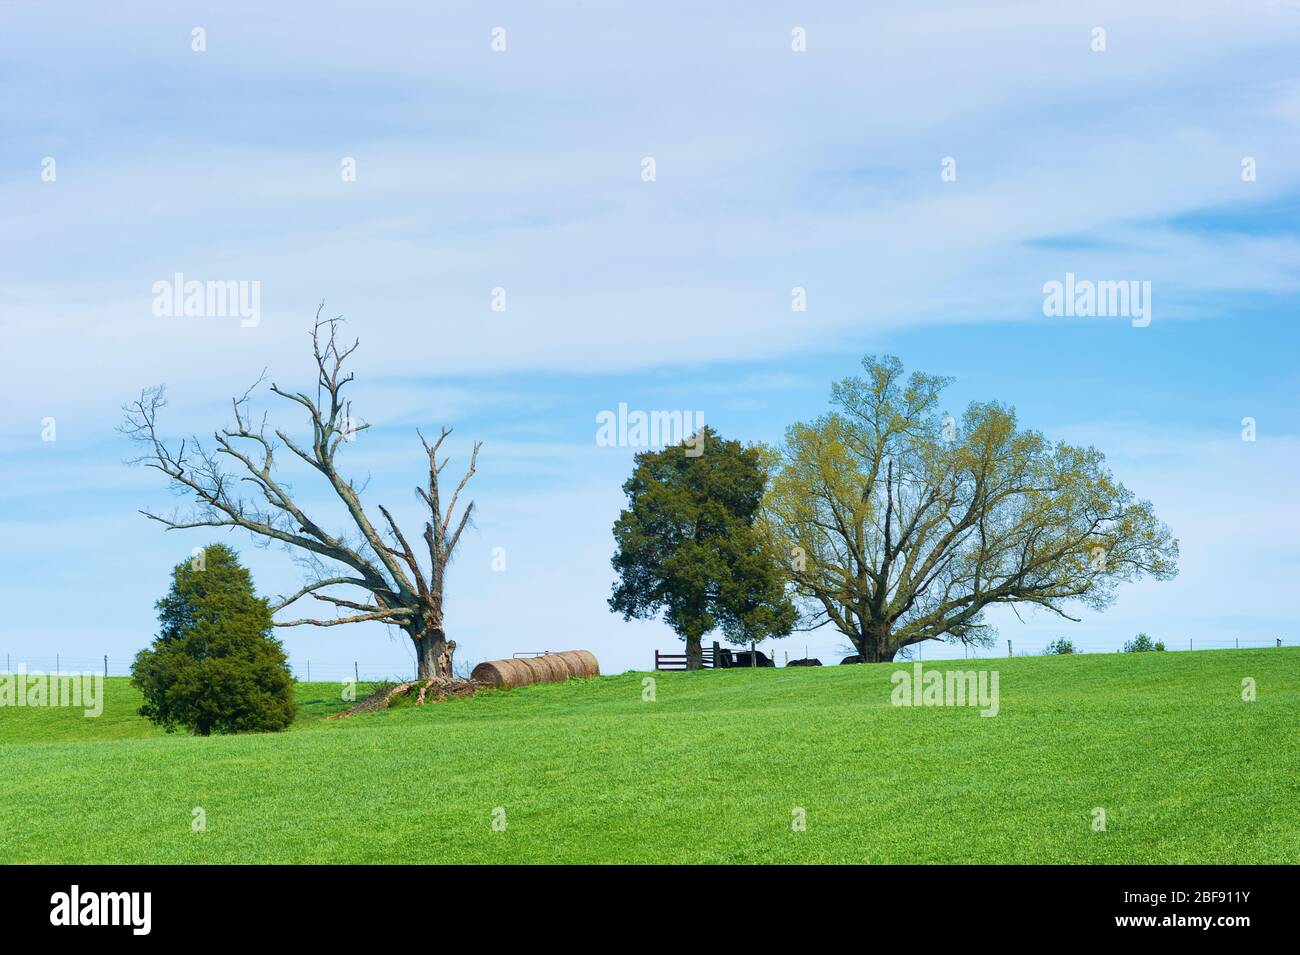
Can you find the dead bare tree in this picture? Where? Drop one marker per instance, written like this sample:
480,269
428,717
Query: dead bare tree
401,591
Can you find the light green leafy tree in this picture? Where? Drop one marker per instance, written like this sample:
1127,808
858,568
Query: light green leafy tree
902,524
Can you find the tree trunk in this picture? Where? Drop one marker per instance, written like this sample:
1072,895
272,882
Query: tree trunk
874,644
694,654
433,654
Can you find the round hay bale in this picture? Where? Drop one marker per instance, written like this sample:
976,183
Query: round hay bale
582,662
549,668
574,663
488,673
558,666
500,673
523,672
538,672
561,665
544,670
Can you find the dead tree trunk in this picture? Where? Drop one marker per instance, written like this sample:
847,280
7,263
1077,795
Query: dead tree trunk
433,654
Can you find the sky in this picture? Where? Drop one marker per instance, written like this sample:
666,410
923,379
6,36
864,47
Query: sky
919,170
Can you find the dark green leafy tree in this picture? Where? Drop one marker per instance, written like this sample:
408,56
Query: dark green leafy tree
1059,647
214,666
688,547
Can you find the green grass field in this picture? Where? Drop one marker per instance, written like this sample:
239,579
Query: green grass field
709,772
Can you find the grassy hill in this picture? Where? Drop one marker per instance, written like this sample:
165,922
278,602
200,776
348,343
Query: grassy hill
709,772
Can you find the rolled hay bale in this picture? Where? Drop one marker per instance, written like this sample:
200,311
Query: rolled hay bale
550,668
538,672
505,674
553,667
500,673
583,662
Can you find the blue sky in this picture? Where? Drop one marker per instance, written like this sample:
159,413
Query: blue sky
522,170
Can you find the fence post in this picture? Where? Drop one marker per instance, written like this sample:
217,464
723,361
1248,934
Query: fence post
1278,639
717,652
656,660
1009,653
356,671
308,671
105,666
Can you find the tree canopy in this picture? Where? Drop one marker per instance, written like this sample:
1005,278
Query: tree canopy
901,524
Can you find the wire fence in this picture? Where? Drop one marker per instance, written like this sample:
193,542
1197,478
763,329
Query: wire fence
328,671
932,650
305,669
